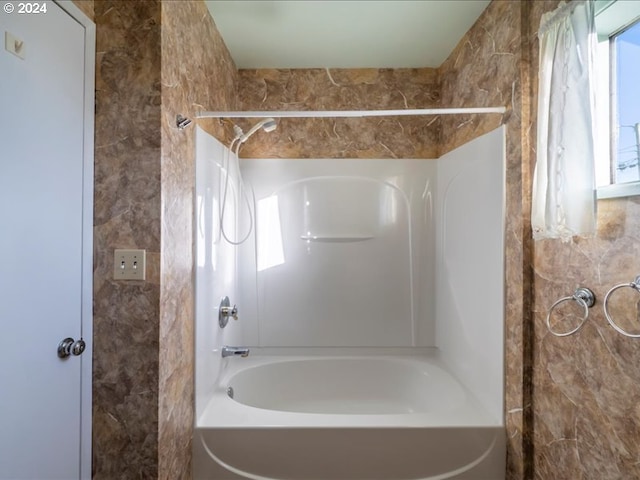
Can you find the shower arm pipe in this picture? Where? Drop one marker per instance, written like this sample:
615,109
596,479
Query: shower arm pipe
351,113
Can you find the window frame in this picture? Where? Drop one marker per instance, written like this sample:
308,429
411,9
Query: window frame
612,17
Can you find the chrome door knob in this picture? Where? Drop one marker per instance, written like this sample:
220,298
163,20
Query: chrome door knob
78,347
69,346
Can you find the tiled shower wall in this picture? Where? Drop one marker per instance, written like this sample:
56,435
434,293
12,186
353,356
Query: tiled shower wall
343,89
571,403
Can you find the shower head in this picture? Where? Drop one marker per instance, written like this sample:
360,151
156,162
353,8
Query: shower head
268,125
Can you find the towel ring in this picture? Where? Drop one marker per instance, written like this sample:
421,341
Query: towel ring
585,299
636,285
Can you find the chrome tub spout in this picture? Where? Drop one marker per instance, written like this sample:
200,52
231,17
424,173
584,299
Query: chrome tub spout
234,351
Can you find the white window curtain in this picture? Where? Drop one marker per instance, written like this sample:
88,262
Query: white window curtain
564,196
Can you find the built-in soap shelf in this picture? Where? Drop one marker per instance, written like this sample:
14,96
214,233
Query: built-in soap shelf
337,238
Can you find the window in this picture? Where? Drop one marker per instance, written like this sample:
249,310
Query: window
626,103
618,98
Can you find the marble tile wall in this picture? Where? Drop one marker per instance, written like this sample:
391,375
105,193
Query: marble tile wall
126,215
143,331
586,387
343,89
197,74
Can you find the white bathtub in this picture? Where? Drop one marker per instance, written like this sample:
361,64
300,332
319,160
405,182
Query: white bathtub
347,417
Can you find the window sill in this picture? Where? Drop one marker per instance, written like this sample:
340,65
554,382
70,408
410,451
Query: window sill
619,190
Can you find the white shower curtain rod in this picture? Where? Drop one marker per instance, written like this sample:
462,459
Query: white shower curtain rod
350,113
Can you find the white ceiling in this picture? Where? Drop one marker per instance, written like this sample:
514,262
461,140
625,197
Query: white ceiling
343,33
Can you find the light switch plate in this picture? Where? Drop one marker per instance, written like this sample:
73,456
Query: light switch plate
129,264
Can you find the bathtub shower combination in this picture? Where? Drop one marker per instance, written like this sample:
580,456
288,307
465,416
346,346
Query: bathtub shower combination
369,303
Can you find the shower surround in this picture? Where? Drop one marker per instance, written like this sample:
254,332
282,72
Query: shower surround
349,258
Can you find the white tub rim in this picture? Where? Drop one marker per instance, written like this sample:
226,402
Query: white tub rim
222,412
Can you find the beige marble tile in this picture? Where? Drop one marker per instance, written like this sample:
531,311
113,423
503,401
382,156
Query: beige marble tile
126,214
342,89
144,167
196,75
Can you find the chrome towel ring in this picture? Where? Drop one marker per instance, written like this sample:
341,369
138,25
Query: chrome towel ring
635,285
585,299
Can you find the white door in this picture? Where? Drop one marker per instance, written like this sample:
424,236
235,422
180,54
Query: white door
44,209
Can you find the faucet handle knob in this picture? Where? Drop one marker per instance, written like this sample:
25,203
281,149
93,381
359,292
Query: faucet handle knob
225,311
